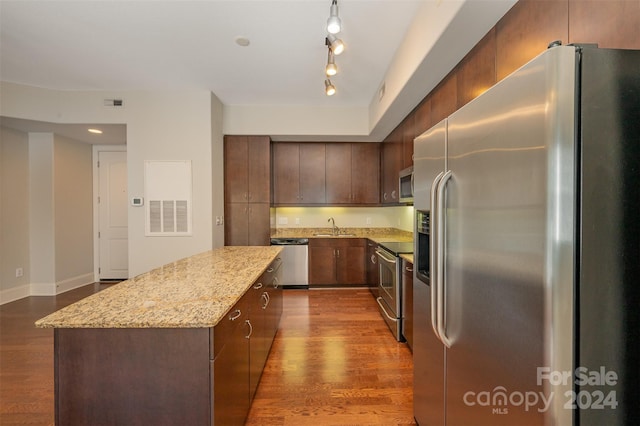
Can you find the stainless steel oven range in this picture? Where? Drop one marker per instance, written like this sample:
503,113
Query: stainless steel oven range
390,284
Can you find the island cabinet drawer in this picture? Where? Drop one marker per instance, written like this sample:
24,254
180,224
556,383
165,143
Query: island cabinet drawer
267,277
227,328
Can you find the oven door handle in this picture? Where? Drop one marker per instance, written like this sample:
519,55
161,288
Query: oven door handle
384,256
379,300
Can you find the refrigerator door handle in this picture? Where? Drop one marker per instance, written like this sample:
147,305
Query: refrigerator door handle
440,239
433,267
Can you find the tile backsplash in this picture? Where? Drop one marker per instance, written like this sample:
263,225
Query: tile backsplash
400,217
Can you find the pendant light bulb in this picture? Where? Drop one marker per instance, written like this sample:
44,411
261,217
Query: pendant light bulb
335,44
334,25
329,88
332,68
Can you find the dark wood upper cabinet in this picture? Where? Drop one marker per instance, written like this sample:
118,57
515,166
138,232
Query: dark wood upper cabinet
315,173
338,173
353,173
444,100
299,173
247,171
611,24
392,154
526,30
312,173
477,71
286,173
422,120
365,173
408,134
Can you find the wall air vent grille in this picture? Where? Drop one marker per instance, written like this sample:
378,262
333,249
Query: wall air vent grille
113,103
168,189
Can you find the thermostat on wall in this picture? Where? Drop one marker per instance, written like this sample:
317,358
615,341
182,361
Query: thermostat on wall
137,201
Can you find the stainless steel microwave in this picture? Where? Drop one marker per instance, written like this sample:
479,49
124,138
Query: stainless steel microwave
406,185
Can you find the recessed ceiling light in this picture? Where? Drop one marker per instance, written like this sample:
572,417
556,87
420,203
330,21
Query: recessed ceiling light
96,131
242,41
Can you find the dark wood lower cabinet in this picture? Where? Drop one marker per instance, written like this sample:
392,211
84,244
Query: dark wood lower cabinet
168,376
132,376
337,261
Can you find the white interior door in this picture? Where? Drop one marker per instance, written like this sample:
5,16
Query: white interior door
113,223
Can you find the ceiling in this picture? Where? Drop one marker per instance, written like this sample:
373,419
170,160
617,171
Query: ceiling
182,44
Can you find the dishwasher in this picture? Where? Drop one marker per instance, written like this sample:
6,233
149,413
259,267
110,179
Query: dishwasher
295,263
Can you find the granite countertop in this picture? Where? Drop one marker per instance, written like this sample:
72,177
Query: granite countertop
194,292
407,256
379,235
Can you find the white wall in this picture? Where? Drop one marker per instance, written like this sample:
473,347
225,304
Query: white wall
169,126
14,218
217,170
41,214
47,214
73,213
160,126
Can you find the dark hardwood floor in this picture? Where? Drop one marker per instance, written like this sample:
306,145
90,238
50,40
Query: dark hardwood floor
333,362
26,357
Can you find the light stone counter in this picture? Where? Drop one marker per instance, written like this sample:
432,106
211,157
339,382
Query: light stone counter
378,235
194,292
407,256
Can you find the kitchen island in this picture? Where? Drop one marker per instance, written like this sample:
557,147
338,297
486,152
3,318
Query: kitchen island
182,344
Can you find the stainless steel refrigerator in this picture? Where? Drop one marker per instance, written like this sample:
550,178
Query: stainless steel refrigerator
527,249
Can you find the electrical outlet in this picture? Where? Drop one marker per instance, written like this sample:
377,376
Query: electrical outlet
297,221
283,221
19,272
368,221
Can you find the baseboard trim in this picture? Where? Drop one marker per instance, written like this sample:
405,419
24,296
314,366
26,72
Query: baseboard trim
73,283
13,294
51,289
42,289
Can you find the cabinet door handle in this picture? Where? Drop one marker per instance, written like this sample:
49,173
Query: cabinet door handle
235,315
270,270
250,329
393,194
373,258
384,197
338,251
245,195
408,269
258,286
276,282
266,298
249,196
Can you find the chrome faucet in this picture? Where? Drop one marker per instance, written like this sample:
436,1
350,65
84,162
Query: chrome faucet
334,229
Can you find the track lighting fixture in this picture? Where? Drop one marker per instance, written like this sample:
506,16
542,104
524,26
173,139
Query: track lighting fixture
335,47
335,44
334,25
329,88
332,68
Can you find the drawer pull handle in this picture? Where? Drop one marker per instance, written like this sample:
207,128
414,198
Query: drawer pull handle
235,315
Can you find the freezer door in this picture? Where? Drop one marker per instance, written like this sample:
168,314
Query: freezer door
610,233
509,241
